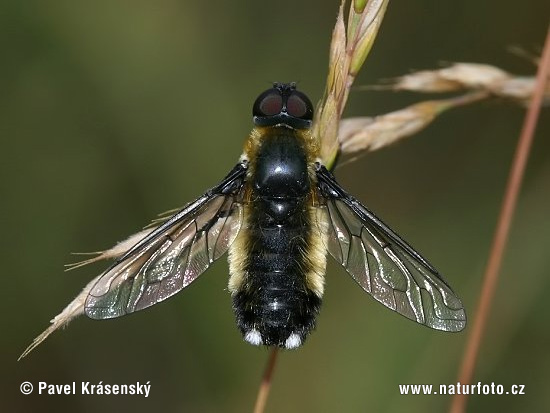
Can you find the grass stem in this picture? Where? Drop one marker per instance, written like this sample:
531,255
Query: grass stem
490,279
265,385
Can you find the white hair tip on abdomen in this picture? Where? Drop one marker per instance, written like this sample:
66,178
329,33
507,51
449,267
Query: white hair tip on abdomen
253,337
293,341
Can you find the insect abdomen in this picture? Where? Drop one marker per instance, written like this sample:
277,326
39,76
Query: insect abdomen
275,305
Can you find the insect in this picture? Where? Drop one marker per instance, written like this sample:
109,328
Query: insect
278,212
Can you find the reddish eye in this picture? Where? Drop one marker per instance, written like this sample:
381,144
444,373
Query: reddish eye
283,105
295,106
271,105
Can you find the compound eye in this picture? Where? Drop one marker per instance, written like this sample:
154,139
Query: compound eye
269,103
298,105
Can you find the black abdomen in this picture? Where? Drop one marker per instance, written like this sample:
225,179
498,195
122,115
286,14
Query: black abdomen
274,305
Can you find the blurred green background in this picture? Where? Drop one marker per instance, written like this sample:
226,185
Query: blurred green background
112,112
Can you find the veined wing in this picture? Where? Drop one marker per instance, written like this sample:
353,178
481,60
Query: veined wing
383,264
173,255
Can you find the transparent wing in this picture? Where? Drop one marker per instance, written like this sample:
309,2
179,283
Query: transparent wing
173,255
383,264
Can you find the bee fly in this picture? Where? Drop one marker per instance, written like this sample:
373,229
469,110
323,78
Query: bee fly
278,212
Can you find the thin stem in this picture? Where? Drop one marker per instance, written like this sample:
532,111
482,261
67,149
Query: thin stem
458,404
265,385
